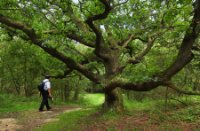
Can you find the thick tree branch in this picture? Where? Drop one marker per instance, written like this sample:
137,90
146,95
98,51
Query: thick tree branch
55,53
185,52
79,39
125,42
97,31
139,57
145,86
70,36
29,31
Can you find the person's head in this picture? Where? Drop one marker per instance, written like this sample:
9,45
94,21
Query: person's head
47,76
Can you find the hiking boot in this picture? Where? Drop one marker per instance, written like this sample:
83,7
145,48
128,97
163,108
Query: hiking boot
49,109
41,110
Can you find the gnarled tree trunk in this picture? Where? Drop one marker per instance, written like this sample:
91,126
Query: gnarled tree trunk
113,97
113,100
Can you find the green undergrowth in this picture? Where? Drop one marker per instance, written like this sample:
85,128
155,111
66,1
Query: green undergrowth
12,103
139,105
185,109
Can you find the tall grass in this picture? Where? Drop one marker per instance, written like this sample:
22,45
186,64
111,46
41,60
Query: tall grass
12,103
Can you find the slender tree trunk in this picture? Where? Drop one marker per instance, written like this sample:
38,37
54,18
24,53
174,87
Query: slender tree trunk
67,93
166,98
25,77
15,81
76,94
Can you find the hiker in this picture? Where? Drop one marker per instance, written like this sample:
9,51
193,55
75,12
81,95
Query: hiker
46,93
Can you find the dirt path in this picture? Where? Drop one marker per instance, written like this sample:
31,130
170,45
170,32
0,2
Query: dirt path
29,120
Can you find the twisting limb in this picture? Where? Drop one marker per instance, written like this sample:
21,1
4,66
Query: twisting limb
135,36
143,86
124,43
70,36
97,31
138,58
79,39
185,54
35,39
150,42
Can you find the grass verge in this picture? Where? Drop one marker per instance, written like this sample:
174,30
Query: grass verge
67,121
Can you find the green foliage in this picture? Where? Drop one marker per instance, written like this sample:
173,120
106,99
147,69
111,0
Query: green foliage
61,25
22,66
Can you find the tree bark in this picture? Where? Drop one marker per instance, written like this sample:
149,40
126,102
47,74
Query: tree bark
113,97
113,100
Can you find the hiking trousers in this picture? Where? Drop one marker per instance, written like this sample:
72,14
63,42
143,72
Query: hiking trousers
45,96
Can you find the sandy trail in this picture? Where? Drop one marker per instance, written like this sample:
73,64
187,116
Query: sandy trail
29,120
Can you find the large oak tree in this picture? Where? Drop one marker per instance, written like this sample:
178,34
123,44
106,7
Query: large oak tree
109,29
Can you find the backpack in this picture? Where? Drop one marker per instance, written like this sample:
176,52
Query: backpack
41,87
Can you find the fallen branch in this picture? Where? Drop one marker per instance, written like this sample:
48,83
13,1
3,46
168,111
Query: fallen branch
172,86
179,101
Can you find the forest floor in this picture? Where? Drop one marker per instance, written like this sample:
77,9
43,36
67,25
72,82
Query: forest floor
138,120
149,115
29,120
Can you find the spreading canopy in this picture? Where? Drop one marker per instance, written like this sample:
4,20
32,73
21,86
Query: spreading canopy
109,30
